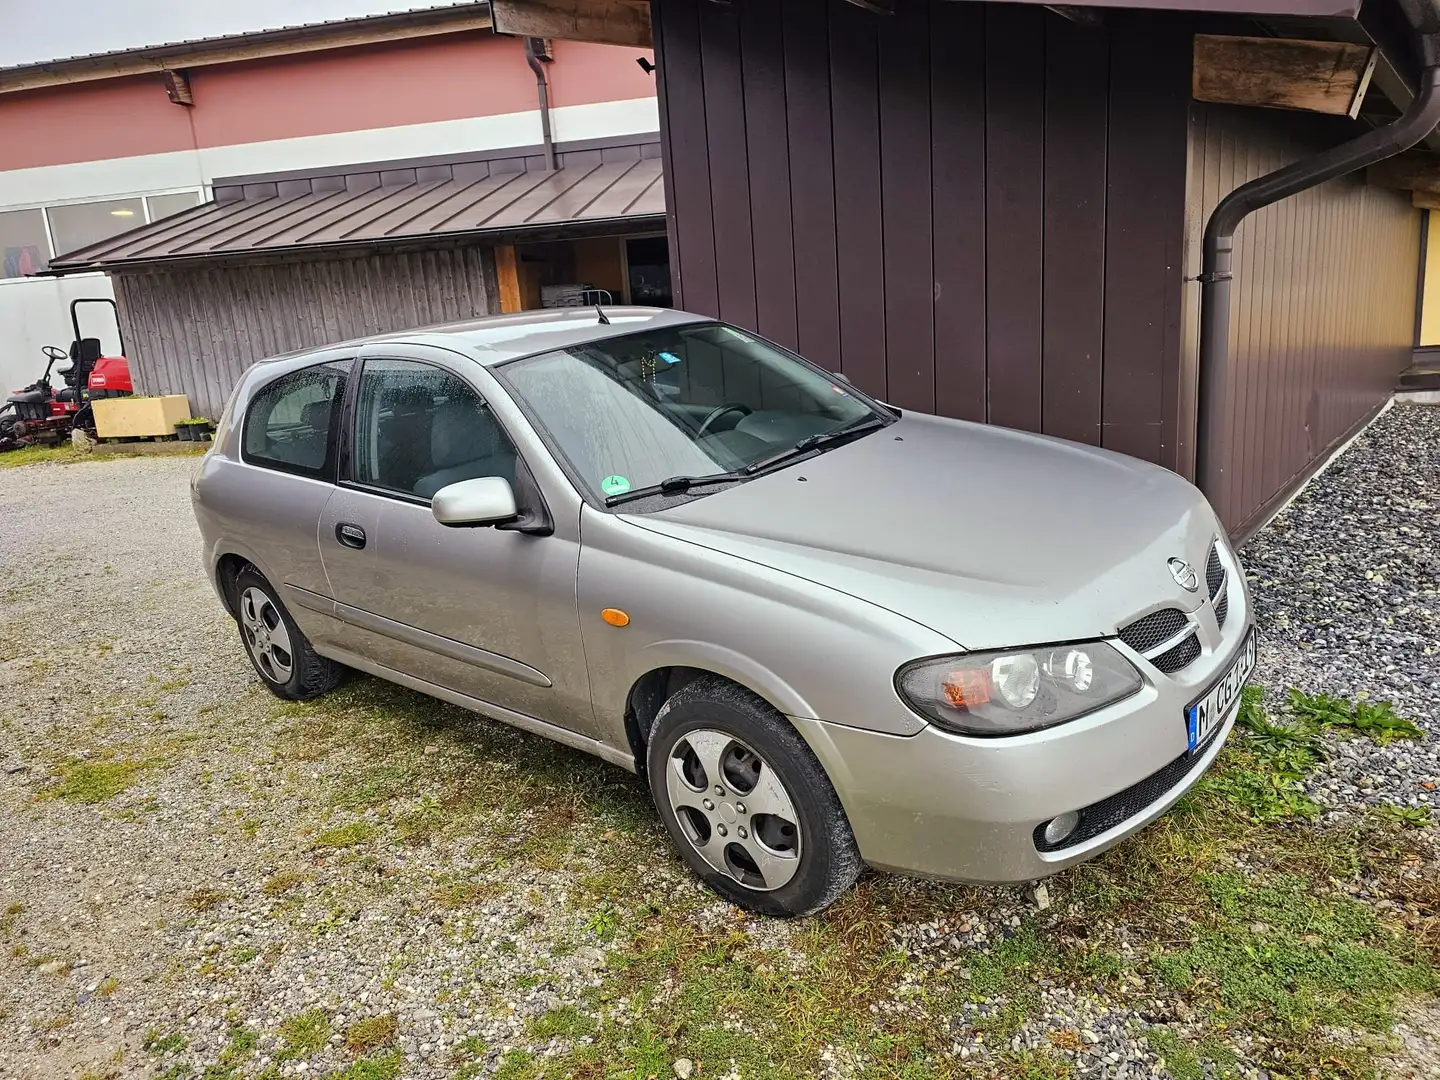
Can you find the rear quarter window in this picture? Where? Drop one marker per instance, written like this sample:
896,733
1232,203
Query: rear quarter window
292,423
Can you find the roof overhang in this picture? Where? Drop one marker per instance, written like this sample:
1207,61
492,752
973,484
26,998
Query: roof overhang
259,45
609,186
627,22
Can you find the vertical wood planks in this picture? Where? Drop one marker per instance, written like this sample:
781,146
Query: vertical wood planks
1145,213
1076,120
905,192
855,102
768,150
687,156
806,29
957,122
725,123
1014,213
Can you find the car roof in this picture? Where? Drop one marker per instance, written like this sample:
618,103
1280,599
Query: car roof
498,338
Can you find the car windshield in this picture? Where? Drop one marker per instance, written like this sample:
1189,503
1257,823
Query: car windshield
690,401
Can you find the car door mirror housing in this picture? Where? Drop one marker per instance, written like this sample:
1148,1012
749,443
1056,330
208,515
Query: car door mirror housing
486,500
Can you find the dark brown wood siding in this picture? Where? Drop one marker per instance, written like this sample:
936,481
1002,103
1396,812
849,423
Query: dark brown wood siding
971,209
1322,306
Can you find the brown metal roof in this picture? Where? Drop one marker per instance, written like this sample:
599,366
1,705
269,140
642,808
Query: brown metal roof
502,192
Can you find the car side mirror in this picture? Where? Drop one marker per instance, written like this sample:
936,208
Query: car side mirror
486,500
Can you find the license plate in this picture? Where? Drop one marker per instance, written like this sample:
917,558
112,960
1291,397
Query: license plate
1204,717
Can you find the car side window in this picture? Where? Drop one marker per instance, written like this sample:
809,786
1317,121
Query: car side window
290,423
419,428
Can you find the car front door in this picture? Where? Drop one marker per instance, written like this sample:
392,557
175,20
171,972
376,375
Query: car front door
485,612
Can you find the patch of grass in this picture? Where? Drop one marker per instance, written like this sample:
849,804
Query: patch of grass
1285,956
60,454
204,899
344,836
159,1043
303,1035
108,985
90,782
377,1067
282,882
243,1041
371,1033
464,893
567,1022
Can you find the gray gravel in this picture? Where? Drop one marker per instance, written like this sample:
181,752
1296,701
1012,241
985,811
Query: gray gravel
1346,583
156,912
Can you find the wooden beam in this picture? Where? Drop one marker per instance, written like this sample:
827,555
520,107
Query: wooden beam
609,22
1282,73
177,88
1423,200
258,46
1415,170
507,275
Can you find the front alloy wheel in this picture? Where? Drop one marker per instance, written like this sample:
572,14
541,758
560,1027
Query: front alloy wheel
734,809
746,802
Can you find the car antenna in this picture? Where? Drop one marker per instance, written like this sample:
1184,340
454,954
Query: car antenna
604,320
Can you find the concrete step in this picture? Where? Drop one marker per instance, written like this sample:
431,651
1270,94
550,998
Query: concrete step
1424,374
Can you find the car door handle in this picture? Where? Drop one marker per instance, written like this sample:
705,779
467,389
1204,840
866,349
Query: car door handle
350,535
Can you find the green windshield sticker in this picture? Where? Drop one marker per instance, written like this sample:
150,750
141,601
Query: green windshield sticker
669,358
615,485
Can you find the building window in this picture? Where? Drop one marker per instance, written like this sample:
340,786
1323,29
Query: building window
82,224
24,248
162,206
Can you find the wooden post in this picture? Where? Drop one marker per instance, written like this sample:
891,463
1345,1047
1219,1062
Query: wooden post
507,274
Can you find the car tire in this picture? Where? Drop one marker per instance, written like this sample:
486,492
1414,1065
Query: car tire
789,851
281,655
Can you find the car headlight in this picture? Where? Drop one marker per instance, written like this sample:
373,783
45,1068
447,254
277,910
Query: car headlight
1017,690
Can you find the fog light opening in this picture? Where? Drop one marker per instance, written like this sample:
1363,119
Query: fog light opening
1058,828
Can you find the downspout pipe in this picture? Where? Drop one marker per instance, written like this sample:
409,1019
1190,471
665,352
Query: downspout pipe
534,57
1214,392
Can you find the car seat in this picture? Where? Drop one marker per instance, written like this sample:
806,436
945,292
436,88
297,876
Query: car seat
466,442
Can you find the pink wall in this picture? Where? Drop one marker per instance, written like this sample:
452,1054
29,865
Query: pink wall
427,79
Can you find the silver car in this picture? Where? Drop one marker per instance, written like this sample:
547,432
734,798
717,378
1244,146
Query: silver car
825,632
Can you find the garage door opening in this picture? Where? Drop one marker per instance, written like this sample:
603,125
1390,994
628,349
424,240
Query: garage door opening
584,272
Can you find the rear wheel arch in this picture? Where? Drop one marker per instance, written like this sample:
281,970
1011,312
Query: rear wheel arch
228,568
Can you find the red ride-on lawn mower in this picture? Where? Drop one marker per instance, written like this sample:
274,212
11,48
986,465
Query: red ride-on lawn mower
38,413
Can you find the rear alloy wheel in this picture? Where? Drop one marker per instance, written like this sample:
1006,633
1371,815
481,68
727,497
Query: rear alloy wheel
747,804
280,653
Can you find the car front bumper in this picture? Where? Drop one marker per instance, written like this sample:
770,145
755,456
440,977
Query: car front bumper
968,809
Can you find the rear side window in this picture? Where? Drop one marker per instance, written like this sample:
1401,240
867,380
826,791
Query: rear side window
292,422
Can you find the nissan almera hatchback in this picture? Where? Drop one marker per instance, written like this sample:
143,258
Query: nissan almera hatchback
826,632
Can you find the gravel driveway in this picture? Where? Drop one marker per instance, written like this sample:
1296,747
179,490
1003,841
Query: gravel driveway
199,880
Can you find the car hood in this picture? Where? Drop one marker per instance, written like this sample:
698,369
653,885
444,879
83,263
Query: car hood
989,536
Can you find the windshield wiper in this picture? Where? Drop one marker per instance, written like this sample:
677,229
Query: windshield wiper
674,485
817,442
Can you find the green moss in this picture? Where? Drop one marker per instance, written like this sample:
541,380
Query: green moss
371,1033
303,1035
563,1023
376,1067
344,836
89,782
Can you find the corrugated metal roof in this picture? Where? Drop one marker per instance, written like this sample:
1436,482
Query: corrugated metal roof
398,201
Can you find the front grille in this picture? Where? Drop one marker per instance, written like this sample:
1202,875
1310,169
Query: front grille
1182,655
1144,634
1214,571
1222,608
1106,814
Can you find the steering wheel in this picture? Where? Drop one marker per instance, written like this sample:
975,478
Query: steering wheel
718,412
54,352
